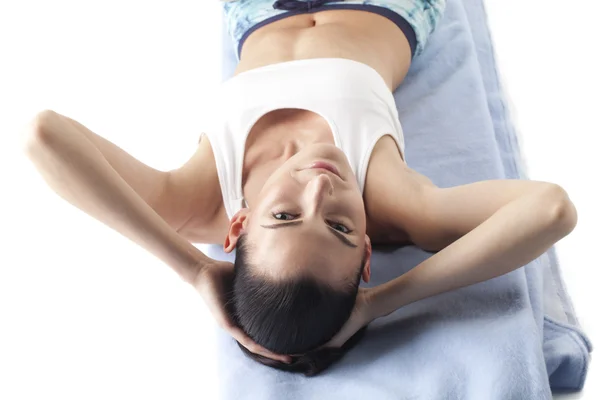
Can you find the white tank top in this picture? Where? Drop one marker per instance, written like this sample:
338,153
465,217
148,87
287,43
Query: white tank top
352,97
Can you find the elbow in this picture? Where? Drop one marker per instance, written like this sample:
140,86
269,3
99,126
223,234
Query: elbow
39,133
562,211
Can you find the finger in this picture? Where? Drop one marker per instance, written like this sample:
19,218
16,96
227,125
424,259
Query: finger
222,320
255,348
247,342
342,337
334,343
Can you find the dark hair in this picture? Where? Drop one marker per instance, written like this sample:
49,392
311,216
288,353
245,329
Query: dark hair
291,316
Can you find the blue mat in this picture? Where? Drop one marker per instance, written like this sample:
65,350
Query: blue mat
514,337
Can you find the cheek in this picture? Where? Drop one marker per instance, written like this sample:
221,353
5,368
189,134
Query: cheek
267,180
358,211
276,189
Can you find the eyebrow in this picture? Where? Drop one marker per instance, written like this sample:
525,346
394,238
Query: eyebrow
339,235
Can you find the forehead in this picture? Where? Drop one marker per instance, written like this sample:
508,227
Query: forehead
294,254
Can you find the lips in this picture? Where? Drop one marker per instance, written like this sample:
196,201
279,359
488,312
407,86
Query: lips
326,166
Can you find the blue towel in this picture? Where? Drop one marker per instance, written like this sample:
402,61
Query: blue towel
513,337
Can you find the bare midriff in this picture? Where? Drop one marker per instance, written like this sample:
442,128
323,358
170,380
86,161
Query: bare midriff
361,36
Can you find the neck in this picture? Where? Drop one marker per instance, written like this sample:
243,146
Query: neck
274,139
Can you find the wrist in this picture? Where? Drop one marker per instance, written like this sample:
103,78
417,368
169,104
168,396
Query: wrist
192,272
389,297
373,300
199,269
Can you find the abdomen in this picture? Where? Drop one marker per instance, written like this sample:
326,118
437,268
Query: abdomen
361,36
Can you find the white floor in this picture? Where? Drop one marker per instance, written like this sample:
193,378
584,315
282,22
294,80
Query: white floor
91,316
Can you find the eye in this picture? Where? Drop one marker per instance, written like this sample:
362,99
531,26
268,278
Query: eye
339,227
283,216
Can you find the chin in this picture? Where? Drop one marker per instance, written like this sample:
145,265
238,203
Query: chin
325,151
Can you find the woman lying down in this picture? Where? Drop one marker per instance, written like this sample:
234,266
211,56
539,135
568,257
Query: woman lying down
301,172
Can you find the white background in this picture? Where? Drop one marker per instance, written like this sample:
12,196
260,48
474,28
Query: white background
83,312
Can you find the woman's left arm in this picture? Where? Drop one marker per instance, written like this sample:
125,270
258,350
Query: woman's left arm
485,229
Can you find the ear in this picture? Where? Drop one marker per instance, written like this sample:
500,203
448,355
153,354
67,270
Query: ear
236,228
366,275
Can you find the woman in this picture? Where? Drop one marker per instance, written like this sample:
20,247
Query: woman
300,170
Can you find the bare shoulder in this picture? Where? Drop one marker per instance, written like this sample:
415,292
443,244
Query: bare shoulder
393,194
194,192
403,205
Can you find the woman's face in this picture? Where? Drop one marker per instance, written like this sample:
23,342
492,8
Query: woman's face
309,218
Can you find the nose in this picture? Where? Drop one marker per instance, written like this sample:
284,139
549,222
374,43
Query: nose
317,190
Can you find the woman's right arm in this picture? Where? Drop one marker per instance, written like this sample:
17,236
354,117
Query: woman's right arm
104,181
110,185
